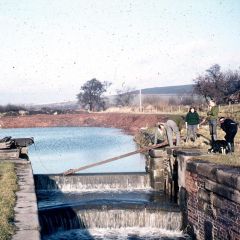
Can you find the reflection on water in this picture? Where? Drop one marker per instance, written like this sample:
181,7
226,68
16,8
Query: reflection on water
48,199
60,148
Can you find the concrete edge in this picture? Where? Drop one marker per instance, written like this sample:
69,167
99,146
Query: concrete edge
26,210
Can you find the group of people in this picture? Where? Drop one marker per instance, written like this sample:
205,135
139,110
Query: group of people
229,126
166,130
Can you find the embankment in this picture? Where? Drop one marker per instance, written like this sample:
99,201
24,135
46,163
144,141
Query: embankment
128,122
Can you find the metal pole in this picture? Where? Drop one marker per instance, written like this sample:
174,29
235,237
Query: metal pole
140,100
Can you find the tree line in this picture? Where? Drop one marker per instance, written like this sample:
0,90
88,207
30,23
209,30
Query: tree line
213,84
91,95
218,85
222,86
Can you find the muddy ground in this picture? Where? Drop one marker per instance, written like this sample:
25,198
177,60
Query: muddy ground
130,123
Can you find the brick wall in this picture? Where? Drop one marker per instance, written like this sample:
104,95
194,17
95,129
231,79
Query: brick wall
213,200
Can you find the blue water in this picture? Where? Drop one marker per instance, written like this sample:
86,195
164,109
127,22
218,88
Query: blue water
58,149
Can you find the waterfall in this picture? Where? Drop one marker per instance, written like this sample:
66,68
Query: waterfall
80,182
83,206
60,219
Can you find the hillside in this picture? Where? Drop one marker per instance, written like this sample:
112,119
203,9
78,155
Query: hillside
168,90
72,105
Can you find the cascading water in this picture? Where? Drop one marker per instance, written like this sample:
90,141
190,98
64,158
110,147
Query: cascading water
80,182
105,206
67,218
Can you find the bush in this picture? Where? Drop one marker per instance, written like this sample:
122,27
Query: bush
11,108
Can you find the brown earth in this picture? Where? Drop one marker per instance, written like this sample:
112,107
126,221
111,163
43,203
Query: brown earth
131,123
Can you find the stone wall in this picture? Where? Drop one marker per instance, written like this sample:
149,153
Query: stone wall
156,169
162,167
210,198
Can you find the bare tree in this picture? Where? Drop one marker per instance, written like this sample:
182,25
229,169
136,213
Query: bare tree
216,84
212,84
232,81
124,96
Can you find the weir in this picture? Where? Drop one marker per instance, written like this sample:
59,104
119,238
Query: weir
114,218
80,182
83,204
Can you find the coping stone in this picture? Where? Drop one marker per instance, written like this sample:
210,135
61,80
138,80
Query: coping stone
26,210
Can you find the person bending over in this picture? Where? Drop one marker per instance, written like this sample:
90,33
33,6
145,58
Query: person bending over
230,127
171,128
160,134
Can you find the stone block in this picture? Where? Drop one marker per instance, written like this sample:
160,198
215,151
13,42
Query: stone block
26,221
228,178
24,150
159,186
226,192
207,170
27,235
6,154
217,201
204,195
156,153
159,173
157,163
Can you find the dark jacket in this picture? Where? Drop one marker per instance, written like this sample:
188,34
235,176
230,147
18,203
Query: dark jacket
229,126
192,118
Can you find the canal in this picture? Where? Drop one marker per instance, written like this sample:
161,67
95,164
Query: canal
112,201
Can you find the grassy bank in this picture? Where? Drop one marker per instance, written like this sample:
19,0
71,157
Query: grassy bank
8,186
202,142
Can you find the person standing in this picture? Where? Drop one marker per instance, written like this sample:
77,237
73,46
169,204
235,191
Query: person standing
212,116
192,123
230,127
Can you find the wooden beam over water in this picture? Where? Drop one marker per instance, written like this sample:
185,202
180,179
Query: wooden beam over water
141,150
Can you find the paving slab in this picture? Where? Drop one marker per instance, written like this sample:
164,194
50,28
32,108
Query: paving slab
26,211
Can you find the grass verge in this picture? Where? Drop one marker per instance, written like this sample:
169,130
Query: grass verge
202,143
8,187
220,159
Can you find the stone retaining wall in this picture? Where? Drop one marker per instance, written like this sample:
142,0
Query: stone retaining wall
210,198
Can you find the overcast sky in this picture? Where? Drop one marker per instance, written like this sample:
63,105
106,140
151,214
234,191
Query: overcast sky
50,48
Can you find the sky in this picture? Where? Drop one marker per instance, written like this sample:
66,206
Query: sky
50,48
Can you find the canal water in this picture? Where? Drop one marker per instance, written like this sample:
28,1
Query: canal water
112,201
57,149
